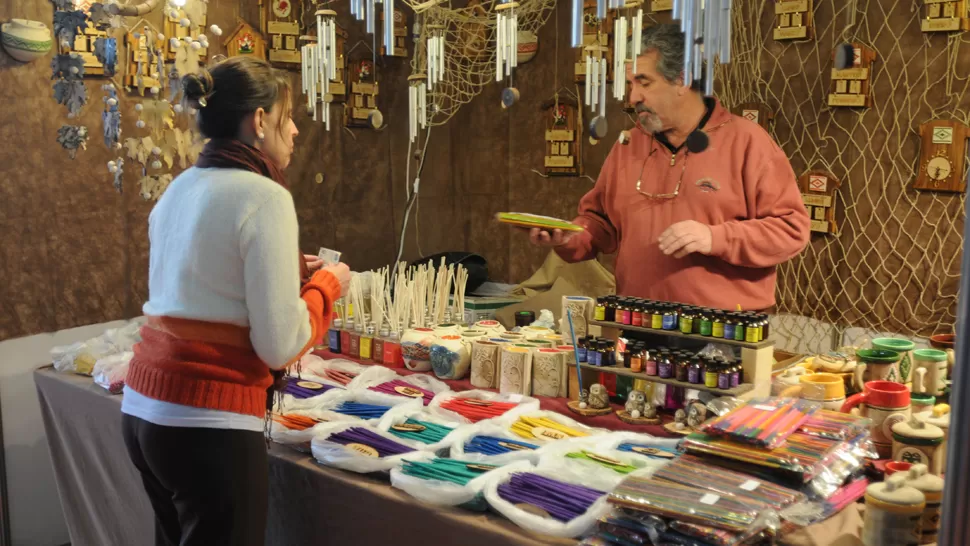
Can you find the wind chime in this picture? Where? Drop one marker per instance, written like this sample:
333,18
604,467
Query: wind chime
506,48
629,16
596,93
366,10
435,54
319,65
418,104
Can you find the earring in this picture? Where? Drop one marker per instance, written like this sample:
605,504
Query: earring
261,135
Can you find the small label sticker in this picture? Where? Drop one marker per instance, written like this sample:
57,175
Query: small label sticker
943,135
764,408
548,433
750,485
408,391
710,498
750,115
309,385
818,183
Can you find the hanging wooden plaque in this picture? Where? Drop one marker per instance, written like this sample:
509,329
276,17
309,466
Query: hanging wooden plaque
661,5
942,156
944,16
362,95
851,86
757,112
400,35
562,135
818,193
595,33
794,20
282,31
141,65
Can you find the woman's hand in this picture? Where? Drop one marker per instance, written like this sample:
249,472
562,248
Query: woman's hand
313,263
342,272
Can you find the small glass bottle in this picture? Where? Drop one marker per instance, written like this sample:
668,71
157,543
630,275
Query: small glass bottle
665,366
392,351
627,355
650,364
656,316
717,328
345,335
765,326
378,352
686,320
581,349
698,312
366,342
636,361
739,327
695,373
333,336
626,313
729,326
594,355
682,368
710,374
637,314
669,317
599,312
724,376
610,311
707,324
750,329
735,375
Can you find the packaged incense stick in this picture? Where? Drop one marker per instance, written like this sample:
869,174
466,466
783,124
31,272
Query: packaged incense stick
419,480
835,425
337,370
593,462
491,443
691,470
385,384
764,422
364,405
548,426
420,429
477,405
360,448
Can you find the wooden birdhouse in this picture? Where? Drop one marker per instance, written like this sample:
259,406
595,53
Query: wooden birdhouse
362,100
400,35
282,30
851,85
245,40
174,29
84,46
563,153
756,112
599,34
818,193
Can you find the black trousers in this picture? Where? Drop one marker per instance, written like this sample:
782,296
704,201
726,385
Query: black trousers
208,487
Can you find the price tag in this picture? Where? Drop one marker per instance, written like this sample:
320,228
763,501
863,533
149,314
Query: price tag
545,433
750,485
477,402
408,427
514,447
309,385
602,458
653,452
408,391
364,450
710,498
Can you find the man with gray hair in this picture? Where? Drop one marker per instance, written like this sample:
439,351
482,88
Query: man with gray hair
700,205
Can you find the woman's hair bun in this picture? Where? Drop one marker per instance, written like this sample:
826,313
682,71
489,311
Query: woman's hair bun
196,88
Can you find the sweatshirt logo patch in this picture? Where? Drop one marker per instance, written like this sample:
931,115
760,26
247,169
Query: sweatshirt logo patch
708,185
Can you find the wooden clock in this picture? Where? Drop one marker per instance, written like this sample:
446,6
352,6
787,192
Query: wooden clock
595,33
851,78
563,129
794,20
818,193
942,156
755,111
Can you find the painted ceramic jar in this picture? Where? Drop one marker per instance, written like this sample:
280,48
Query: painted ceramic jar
922,402
26,40
451,357
916,442
416,348
493,327
934,361
884,403
905,349
940,417
931,487
876,365
894,513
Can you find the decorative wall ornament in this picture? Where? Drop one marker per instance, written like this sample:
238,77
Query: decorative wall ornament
106,56
794,20
851,76
944,16
282,30
67,25
72,138
562,135
25,40
69,88
757,112
245,40
111,117
942,156
818,193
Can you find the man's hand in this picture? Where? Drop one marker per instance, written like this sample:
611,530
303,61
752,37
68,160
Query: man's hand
313,263
556,237
685,238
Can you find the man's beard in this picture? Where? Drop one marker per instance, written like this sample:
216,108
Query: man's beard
648,119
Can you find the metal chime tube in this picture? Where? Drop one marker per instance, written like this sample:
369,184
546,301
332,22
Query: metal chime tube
687,25
389,26
514,42
637,38
423,104
589,78
576,24
592,83
601,9
499,40
602,87
440,56
724,55
698,64
711,32
412,108
371,17
431,50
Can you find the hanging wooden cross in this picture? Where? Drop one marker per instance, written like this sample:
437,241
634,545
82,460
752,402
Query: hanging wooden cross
818,193
282,31
944,16
563,129
942,156
793,20
851,76
597,41
757,112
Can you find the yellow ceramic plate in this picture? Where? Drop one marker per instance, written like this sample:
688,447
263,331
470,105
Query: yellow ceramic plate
523,219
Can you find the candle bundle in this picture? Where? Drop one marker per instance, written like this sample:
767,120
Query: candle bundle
295,422
301,388
690,470
476,410
562,501
403,388
448,470
766,422
606,462
338,376
835,425
368,442
543,428
654,452
420,431
683,502
490,445
801,453
364,411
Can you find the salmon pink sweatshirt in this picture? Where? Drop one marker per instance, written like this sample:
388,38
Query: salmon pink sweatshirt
742,186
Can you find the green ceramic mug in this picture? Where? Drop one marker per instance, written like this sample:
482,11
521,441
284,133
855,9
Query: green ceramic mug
905,348
876,365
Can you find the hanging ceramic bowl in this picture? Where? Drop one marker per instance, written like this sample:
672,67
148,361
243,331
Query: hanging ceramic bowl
26,40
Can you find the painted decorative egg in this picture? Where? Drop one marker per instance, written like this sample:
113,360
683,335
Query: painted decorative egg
26,40
528,46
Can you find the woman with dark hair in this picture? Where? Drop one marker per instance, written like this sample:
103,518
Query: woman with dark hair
232,303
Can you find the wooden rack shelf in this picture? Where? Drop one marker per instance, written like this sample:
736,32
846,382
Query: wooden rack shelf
620,370
677,334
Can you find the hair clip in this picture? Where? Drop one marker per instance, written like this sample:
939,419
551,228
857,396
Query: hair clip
202,102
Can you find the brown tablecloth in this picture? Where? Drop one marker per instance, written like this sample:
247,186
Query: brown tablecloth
104,503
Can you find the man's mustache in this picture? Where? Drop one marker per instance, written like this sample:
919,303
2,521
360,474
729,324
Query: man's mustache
641,109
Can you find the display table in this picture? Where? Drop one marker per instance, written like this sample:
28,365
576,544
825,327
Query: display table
104,504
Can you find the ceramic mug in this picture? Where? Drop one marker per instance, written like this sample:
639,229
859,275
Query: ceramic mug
905,349
921,401
945,342
876,365
826,388
885,403
934,361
